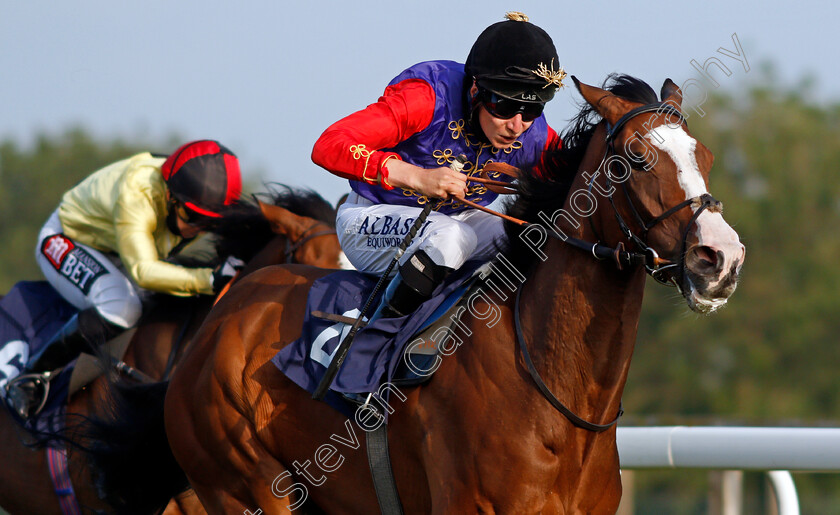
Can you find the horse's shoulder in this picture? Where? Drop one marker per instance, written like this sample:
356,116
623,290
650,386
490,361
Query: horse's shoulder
283,276
258,316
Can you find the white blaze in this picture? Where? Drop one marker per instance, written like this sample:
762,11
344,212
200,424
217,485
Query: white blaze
711,229
680,147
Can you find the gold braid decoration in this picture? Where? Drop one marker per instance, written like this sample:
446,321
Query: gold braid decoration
421,199
516,145
360,151
476,189
490,174
516,16
443,157
457,128
550,75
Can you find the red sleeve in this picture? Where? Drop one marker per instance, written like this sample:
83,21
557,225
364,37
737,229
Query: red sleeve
350,148
552,141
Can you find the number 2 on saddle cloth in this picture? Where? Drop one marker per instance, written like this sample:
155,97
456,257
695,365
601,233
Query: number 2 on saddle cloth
30,314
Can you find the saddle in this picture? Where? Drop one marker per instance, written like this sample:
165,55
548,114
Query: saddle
401,351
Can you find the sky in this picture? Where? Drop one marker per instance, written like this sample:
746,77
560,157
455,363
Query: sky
267,77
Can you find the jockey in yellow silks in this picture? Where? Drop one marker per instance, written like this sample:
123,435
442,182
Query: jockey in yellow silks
109,238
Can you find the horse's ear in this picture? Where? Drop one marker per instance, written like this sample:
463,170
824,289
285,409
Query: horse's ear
281,219
671,93
341,201
609,106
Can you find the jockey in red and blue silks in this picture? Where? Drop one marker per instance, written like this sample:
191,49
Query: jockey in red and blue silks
396,154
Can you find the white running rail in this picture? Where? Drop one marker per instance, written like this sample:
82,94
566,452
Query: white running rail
777,450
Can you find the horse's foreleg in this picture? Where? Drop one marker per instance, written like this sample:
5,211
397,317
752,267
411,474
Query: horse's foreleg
265,499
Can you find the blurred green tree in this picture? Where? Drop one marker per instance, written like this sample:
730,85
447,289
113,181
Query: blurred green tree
32,181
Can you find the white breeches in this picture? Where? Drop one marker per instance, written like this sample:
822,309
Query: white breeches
370,234
86,277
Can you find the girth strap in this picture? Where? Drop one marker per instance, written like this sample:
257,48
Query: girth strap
60,476
179,340
380,470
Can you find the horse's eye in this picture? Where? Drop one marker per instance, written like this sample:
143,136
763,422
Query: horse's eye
637,161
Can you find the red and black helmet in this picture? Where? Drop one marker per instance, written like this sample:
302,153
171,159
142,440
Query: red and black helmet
204,176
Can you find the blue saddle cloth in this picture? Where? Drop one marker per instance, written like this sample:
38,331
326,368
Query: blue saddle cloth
376,352
32,312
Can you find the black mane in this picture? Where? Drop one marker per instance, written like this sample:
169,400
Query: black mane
244,231
301,201
548,193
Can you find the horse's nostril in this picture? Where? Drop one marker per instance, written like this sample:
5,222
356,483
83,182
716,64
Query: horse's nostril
706,255
704,260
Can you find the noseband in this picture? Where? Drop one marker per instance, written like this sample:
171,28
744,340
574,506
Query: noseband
293,246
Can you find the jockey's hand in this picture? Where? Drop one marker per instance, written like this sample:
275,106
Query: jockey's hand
225,272
440,182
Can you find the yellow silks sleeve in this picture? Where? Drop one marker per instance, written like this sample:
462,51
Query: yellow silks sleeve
122,208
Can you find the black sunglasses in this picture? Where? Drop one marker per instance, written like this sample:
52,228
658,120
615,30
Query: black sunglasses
506,108
189,216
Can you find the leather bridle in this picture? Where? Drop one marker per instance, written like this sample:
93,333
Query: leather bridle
305,237
654,265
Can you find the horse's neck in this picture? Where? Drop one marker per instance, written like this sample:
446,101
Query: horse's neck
273,253
580,315
579,320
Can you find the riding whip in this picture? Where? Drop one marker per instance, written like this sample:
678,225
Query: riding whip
344,346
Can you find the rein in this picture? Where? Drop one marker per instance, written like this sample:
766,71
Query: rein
559,406
293,246
649,258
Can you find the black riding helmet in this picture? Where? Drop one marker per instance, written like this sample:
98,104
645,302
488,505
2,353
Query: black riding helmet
515,59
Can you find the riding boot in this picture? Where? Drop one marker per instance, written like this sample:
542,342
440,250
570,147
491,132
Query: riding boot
27,393
414,283
85,331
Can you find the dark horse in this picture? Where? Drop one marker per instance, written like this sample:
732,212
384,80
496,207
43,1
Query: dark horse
493,431
297,226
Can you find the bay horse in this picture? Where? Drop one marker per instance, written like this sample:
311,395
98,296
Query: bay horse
297,226
518,418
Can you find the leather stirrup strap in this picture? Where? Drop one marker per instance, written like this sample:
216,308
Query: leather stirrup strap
380,470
